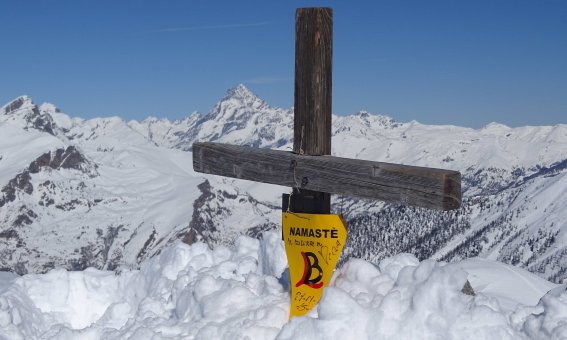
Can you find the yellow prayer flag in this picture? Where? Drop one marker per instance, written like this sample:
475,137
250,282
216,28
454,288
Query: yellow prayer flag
313,244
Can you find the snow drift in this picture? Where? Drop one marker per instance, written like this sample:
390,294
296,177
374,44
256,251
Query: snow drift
194,292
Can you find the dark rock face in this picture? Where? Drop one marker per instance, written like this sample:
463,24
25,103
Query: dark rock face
200,224
15,105
34,118
69,158
25,217
468,289
97,254
22,182
149,242
42,122
11,241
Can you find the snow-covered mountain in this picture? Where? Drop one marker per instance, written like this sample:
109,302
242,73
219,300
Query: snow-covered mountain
105,192
240,118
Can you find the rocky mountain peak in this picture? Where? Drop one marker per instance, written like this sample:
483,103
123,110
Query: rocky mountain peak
240,91
237,107
242,96
28,115
19,103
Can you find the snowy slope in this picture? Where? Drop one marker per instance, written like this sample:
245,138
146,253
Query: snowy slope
131,188
194,292
117,200
100,212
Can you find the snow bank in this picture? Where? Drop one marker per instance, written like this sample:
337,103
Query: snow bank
402,299
194,292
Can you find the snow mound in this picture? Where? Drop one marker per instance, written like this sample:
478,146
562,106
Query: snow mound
194,292
186,291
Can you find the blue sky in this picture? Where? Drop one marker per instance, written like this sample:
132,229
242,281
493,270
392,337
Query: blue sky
439,62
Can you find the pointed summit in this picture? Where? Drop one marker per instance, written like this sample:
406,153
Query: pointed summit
237,101
242,118
18,103
27,114
242,94
239,90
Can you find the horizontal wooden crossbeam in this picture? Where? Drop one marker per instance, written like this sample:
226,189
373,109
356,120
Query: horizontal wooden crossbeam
417,186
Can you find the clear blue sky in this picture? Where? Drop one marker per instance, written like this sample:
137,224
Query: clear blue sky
439,62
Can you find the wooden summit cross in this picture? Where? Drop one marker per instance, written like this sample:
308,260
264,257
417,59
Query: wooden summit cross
309,169
313,237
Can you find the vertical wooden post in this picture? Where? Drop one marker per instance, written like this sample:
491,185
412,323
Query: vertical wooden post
313,81
312,100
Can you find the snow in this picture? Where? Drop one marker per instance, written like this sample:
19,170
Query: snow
511,285
146,193
15,158
194,292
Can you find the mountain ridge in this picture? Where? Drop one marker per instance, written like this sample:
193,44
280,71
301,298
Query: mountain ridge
144,193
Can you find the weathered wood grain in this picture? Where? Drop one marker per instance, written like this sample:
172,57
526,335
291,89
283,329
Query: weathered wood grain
313,81
417,186
312,98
